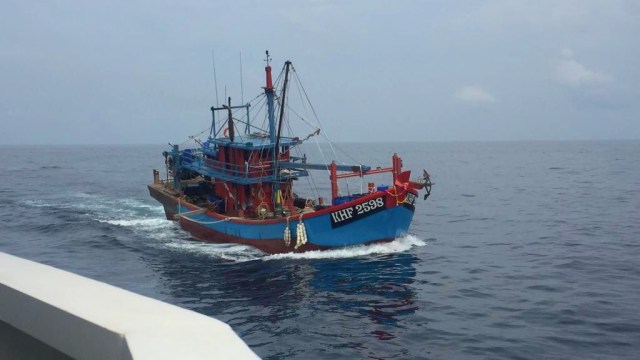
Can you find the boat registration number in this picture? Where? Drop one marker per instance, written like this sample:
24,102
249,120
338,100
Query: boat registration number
358,211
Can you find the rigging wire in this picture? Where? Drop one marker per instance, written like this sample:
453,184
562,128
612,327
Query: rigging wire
332,145
312,108
310,178
193,137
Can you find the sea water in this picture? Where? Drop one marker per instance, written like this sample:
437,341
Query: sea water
524,250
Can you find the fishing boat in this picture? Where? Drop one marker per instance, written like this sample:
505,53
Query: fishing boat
238,185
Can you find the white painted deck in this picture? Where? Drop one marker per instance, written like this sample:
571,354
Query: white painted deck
58,314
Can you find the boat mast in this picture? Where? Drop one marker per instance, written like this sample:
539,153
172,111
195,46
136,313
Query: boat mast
230,120
268,90
282,106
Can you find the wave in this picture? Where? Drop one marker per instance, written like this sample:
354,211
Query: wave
148,222
243,253
133,214
231,252
138,223
398,245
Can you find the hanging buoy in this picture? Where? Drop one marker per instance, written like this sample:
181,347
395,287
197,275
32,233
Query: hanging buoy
287,234
301,234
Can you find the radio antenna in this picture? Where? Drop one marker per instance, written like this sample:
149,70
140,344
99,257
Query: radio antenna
241,86
215,78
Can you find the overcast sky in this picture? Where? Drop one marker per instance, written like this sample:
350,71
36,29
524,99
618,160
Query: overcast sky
132,72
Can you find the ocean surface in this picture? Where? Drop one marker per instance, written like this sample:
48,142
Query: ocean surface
525,250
